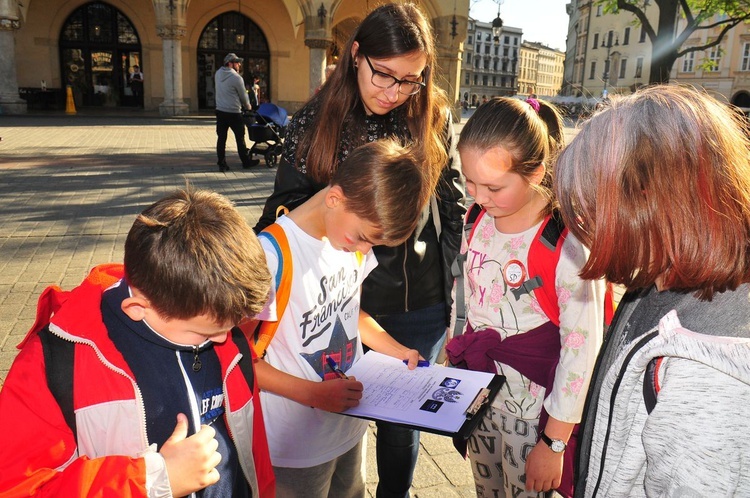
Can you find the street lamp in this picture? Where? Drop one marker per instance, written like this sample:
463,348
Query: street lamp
497,24
608,45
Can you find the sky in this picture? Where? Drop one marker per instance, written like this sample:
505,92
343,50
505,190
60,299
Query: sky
543,21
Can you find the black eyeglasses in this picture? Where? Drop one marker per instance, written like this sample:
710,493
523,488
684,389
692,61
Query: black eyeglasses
384,80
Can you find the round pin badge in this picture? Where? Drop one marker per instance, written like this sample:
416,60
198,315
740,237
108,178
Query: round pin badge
514,273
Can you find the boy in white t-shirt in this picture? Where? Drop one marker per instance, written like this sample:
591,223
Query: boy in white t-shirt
375,197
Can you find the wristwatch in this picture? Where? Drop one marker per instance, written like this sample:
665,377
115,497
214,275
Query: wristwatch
556,445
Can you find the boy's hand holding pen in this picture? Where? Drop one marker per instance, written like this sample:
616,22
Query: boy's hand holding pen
339,395
335,367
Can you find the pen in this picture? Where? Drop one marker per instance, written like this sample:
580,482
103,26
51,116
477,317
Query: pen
420,363
334,366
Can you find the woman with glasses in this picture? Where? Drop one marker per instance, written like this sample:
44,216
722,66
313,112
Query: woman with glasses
383,87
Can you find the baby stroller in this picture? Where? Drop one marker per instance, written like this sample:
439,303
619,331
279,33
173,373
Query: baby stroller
267,131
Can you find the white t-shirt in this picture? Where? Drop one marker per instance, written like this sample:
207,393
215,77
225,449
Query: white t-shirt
496,263
321,319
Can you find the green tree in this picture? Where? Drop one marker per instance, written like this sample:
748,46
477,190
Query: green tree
666,42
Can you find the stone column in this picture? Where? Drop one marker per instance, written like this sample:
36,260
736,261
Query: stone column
318,50
318,38
171,25
449,55
10,101
173,104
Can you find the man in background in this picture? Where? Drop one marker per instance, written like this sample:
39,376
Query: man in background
231,100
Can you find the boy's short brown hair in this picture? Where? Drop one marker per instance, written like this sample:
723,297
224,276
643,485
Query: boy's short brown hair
191,253
383,183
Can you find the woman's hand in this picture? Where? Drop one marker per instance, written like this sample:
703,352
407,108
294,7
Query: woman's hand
411,357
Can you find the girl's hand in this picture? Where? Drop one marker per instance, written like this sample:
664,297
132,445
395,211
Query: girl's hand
543,468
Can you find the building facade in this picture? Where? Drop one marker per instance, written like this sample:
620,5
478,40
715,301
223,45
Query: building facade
92,47
490,64
605,53
541,70
610,53
723,70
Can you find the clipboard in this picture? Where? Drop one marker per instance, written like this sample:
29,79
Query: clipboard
437,399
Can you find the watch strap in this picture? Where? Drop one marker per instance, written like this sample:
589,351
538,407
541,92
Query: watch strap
552,442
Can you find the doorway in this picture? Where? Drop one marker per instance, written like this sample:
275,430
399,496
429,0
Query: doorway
99,49
232,32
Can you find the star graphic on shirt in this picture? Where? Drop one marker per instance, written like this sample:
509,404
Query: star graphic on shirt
340,348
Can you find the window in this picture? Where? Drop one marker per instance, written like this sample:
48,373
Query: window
638,67
596,40
745,63
626,36
714,55
476,62
688,62
487,50
476,79
484,80
592,74
599,11
497,50
623,67
468,79
494,81
487,63
507,40
642,38
515,41
468,57
469,41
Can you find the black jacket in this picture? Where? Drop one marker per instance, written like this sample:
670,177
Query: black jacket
415,274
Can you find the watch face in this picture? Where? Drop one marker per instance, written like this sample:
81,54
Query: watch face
557,446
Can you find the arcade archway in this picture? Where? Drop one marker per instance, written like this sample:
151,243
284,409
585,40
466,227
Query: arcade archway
99,48
232,32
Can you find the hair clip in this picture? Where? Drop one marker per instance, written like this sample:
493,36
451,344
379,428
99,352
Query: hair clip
534,103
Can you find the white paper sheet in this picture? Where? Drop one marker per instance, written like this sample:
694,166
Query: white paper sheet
434,397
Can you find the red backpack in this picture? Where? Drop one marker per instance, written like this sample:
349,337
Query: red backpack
544,255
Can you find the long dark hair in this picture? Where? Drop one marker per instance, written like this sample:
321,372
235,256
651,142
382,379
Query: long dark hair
390,30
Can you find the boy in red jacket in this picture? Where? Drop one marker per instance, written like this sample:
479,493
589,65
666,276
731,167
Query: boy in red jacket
163,402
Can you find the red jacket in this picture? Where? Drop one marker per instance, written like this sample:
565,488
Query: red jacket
39,455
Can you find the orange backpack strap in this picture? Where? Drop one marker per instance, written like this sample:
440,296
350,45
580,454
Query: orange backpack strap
263,331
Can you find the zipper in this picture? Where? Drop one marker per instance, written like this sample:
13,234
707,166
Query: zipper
196,360
139,397
227,410
615,388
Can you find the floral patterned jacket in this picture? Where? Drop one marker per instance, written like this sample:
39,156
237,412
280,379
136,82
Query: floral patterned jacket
496,265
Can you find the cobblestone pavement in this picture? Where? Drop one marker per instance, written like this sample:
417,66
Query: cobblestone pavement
70,187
